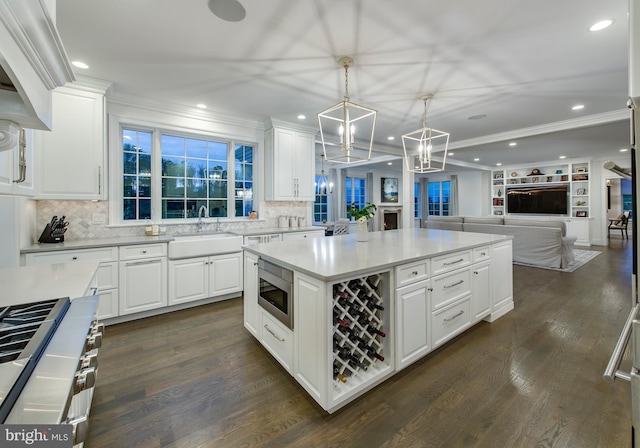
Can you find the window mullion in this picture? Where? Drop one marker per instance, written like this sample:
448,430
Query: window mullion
156,177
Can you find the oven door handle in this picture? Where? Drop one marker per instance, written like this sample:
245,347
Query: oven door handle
612,371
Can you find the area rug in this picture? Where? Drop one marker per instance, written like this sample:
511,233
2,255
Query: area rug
582,257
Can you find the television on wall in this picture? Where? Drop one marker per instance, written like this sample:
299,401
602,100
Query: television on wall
543,200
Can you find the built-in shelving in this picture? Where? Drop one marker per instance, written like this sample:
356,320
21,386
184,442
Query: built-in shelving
576,175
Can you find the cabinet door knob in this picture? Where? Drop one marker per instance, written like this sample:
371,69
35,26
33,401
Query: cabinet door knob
74,258
144,251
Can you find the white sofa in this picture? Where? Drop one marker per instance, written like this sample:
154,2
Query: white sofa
539,242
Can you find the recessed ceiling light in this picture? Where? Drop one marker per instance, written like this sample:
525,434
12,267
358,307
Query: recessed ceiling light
513,144
476,159
624,150
80,64
578,107
598,26
477,117
498,164
201,106
389,163
301,117
563,157
391,137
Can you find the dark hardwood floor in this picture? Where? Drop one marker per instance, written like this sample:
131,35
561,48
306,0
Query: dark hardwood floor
533,378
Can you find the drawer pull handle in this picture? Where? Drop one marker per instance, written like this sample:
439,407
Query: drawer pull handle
144,251
414,273
273,334
453,284
449,319
483,253
454,262
74,258
142,262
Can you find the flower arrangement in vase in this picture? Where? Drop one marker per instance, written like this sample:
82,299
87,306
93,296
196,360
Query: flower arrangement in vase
362,216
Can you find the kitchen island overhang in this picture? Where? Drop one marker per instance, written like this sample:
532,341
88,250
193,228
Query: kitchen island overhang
364,310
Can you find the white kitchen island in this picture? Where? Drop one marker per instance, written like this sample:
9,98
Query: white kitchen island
362,311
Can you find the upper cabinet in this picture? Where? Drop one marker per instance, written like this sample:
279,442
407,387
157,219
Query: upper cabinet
289,163
72,156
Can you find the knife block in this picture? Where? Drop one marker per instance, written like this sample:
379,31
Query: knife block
48,237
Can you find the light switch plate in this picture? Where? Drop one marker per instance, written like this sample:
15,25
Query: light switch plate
98,218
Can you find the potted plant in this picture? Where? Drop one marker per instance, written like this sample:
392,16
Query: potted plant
362,216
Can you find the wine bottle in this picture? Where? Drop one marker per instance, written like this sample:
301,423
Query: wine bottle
343,294
371,304
338,320
371,354
373,330
338,375
355,362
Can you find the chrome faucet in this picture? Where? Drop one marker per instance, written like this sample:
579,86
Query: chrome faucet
201,213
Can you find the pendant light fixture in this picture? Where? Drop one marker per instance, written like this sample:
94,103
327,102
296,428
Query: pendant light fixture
347,122
419,146
323,182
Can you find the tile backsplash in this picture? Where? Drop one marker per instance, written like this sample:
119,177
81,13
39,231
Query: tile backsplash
80,216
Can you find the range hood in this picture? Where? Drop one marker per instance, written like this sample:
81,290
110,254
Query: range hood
33,62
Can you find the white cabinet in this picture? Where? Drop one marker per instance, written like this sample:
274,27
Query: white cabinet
302,235
107,280
16,168
258,239
71,157
579,227
481,289
143,278
278,340
413,332
501,279
451,321
199,278
250,293
289,164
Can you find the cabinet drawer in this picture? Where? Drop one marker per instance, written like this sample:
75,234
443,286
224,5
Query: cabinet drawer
450,321
449,262
107,276
450,287
278,340
481,253
66,256
412,272
143,251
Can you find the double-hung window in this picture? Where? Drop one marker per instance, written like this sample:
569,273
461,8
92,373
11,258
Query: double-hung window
321,203
168,176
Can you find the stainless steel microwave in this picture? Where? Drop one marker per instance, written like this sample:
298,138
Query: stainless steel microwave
276,291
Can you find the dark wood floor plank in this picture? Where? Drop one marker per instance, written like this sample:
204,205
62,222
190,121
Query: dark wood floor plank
533,378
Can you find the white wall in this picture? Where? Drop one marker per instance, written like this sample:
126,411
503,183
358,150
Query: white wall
474,190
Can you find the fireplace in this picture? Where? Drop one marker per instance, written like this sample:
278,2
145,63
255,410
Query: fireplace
390,218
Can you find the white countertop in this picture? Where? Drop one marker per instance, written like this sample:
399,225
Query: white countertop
46,281
335,257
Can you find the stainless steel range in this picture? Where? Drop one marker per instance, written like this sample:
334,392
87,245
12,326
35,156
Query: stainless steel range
48,362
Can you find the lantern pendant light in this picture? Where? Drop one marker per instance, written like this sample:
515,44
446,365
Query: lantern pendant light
350,124
419,146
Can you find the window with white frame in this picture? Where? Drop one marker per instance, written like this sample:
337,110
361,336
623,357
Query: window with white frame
355,188
169,176
321,203
439,195
416,200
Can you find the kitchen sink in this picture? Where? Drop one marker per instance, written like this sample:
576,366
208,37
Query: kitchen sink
203,244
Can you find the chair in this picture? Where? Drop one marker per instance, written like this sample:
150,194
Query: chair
341,227
619,223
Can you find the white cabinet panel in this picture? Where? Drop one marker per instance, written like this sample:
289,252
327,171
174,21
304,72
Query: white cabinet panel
501,275
289,165
448,288
188,280
413,335
450,321
412,272
580,228
481,289
225,274
143,285
278,340
107,304
250,292
302,235
71,156
11,171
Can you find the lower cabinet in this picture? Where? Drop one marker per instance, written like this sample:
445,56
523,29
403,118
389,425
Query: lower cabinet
413,332
451,321
481,290
252,314
302,235
199,278
278,340
143,285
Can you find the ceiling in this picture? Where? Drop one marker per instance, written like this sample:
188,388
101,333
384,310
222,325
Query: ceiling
521,64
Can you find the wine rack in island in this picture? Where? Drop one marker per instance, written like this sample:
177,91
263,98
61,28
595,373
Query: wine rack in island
360,318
